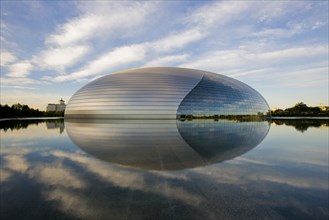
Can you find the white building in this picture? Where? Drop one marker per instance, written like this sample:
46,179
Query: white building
56,107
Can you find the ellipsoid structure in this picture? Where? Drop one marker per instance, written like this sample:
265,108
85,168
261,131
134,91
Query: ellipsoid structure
166,93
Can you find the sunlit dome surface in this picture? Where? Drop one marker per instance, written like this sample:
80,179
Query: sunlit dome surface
166,93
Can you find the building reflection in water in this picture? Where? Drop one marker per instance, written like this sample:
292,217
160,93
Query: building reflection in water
56,124
165,144
24,123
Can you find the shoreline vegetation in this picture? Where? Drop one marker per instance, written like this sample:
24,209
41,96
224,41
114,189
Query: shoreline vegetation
22,124
300,110
24,111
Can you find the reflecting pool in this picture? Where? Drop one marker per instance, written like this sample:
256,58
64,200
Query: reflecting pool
199,169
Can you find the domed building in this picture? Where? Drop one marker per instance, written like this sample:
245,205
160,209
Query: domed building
166,93
165,144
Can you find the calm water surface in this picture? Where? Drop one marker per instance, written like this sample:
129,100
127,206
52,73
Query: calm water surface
200,169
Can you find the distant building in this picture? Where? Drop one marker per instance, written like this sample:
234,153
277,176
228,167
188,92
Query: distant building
57,107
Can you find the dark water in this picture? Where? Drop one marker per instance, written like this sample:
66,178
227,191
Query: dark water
200,169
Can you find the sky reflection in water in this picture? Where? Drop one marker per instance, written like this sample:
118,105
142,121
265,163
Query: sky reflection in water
45,175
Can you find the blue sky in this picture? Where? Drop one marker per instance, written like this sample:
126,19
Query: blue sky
50,49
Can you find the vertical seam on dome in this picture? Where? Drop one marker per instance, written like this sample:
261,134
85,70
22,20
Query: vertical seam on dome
190,92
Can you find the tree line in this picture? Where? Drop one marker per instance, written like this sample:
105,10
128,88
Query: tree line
301,109
20,110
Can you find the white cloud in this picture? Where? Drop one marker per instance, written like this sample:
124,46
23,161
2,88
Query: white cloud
246,59
103,19
222,17
67,45
126,55
217,13
168,60
234,61
17,81
311,76
277,32
178,40
6,58
61,57
266,12
318,24
20,69
292,28
17,87
76,30
295,52
118,57
218,60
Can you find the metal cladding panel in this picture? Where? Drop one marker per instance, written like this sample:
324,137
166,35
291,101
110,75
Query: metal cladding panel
136,93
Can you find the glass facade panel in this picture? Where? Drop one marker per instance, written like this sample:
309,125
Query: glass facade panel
223,97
